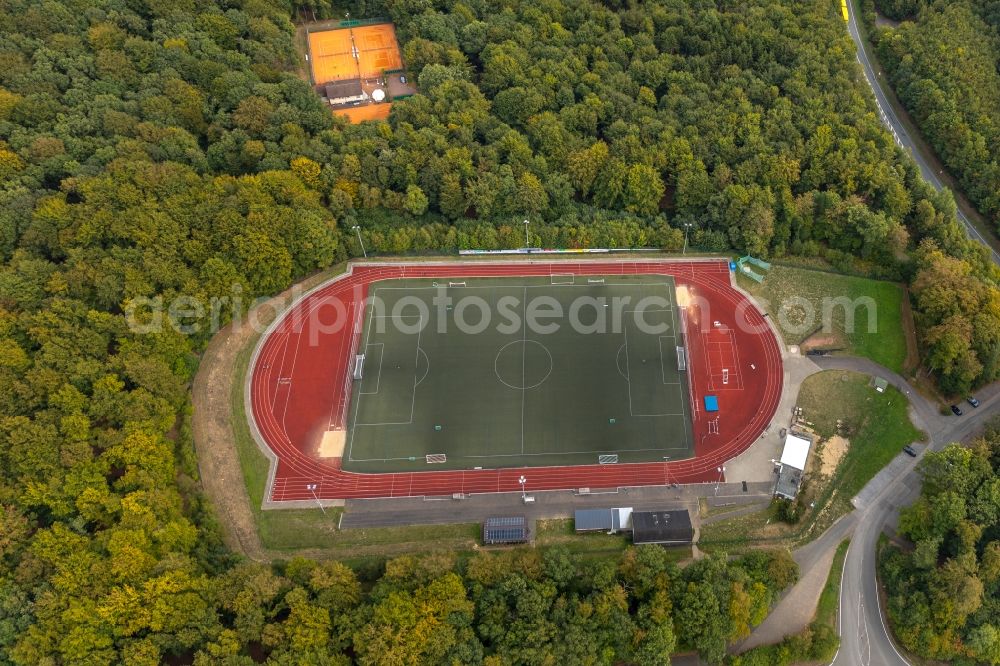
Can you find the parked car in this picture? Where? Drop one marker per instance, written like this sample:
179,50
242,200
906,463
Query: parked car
972,401
956,410
402,78
909,450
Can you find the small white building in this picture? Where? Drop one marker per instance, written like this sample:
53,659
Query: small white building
792,465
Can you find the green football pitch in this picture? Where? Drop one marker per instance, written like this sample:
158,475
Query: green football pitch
506,372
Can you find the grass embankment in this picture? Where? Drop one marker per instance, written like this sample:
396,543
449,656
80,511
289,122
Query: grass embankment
818,641
829,599
877,424
878,427
808,308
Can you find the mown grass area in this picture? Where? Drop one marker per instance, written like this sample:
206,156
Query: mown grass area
806,303
877,424
878,427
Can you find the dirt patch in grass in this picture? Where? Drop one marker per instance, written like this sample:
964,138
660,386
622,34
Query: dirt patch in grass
224,475
833,450
218,463
819,309
863,430
822,341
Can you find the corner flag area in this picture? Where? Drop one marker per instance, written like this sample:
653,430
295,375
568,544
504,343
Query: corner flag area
433,379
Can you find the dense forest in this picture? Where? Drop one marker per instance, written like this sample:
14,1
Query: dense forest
943,63
944,584
156,148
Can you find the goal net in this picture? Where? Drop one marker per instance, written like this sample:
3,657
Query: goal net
436,458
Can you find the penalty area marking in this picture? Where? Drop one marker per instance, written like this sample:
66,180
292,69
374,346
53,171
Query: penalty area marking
378,375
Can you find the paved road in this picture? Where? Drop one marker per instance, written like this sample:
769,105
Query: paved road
903,138
864,635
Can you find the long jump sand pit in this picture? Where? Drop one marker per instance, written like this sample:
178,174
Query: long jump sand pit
332,444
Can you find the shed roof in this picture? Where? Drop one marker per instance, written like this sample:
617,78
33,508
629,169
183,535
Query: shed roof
666,527
789,481
342,89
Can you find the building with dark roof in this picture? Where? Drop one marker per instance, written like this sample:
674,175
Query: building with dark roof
501,530
669,528
345,92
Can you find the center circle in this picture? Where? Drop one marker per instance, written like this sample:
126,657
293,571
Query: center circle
523,364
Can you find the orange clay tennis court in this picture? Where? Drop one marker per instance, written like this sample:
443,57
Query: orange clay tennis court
356,114
332,52
378,49
330,56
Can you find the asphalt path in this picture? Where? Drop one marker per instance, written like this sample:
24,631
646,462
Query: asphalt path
864,633
903,137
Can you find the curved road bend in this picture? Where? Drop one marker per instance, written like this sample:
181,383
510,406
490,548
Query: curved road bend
864,633
899,132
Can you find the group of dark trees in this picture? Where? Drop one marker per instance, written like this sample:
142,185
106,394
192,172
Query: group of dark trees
943,62
622,125
943,585
159,148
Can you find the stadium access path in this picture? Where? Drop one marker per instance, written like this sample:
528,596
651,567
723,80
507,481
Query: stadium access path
298,390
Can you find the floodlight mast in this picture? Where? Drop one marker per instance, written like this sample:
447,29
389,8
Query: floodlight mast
721,471
311,487
527,243
522,481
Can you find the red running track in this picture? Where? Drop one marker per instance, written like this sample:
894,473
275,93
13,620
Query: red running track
299,386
